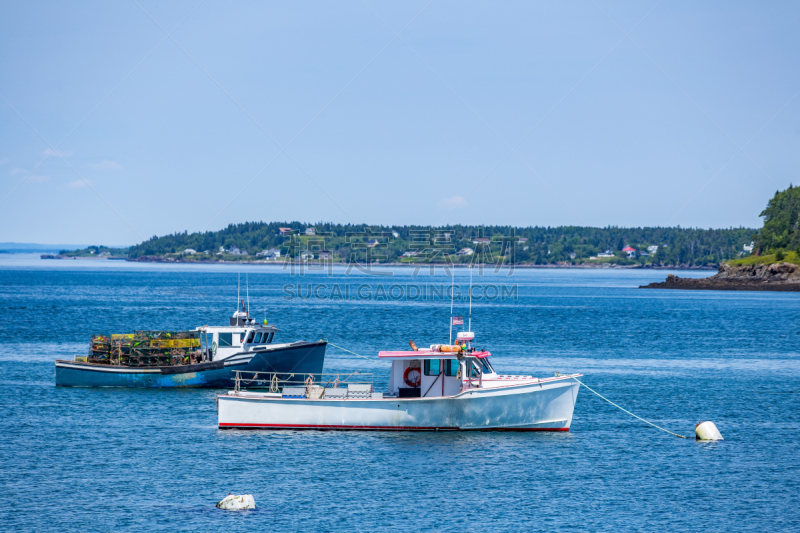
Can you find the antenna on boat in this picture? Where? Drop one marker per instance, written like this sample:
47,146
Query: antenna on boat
238,289
247,288
452,290
470,298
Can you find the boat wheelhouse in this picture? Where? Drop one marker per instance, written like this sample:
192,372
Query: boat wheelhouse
243,334
444,387
435,374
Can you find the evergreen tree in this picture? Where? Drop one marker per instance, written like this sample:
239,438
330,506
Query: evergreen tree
781,229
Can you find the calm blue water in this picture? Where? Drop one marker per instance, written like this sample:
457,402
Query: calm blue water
142,460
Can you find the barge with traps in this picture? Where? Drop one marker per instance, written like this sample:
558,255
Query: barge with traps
208,356
443,387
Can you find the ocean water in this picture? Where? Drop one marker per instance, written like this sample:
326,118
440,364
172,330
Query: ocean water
145,460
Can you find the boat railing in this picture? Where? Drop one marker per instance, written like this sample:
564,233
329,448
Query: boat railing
311,385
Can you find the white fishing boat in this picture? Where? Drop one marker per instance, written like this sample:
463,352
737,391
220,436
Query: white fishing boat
439,388
443,387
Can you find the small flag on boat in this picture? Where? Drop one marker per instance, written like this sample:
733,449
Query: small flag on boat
457,320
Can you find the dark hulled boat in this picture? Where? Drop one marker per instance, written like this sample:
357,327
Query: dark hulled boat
205,357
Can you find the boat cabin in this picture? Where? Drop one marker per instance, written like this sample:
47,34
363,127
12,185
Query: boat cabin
441,370
244,334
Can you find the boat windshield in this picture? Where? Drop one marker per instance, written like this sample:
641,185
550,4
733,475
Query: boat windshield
487,368
475,370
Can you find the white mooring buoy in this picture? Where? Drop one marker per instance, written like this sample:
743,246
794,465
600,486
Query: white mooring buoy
232,502
707,431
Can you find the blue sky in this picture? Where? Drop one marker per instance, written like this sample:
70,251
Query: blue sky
161,117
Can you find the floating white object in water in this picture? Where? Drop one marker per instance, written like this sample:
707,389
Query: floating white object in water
232,502
707,431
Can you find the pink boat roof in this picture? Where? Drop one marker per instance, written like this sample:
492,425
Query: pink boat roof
427,354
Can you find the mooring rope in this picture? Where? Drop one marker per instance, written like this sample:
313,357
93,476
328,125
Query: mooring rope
357,355
622,409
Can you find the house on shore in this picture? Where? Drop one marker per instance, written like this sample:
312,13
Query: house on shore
270,255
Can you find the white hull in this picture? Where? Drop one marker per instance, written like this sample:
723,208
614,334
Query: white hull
535,405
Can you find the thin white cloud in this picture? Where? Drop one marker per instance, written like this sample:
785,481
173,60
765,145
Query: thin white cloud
17,171
38,179
105,165
79,184
453,202
58,153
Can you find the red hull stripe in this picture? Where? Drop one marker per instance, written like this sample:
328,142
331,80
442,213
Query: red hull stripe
386,428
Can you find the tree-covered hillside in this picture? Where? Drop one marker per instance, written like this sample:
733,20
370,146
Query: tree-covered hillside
781,231
491,244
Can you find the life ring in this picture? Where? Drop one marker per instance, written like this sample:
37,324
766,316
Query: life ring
412,377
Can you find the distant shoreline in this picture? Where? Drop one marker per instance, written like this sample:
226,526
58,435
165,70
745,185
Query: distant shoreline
317,264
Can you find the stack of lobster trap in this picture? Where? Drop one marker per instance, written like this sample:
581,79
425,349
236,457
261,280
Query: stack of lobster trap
147,348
